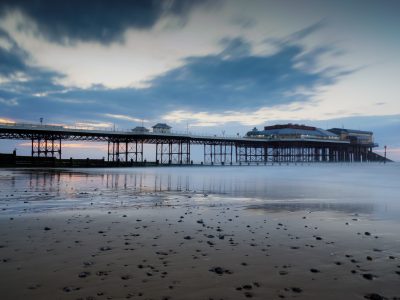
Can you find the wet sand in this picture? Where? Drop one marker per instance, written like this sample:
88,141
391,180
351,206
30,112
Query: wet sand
190,245
169,252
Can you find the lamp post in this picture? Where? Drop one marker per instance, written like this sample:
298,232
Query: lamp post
385,155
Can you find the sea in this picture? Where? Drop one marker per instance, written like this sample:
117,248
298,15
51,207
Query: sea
370,189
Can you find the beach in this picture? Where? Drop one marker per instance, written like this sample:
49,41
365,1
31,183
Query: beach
264,232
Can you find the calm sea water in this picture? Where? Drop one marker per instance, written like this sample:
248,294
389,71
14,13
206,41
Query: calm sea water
370,189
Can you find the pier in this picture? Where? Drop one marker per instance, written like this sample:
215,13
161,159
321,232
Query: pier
126,148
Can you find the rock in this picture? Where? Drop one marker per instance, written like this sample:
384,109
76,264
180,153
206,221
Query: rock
220,271
247,287
106,248
68,289
368,276
283,273
83,274
314,271
102,273
217,270
296,290
374,296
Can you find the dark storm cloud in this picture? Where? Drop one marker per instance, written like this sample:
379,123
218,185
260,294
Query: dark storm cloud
12,60
96,20
233,80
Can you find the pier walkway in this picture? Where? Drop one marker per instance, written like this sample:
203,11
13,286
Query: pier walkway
175,148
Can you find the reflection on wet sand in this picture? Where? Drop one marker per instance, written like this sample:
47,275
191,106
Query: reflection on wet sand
347,208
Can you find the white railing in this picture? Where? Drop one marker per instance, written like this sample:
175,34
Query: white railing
172,133
116,130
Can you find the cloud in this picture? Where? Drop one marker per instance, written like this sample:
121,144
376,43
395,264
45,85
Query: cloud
231,79
95,20
233,85
240,81
12,57
257,117
235,47
244,22
17,76
90,125
124,117
307,31
6,120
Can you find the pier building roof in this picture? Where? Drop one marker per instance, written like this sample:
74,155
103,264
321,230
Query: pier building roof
284,131
140,129
162,125
349,131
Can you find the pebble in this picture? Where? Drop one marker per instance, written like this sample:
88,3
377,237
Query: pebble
368,276
220,271
83,274
374,296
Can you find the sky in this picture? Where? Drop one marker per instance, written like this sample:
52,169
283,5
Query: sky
210,67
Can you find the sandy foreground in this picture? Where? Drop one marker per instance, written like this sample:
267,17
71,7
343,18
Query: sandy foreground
187,249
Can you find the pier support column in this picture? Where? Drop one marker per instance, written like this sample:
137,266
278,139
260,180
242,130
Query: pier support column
125,151
173,152
252,153
46,146
220,153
